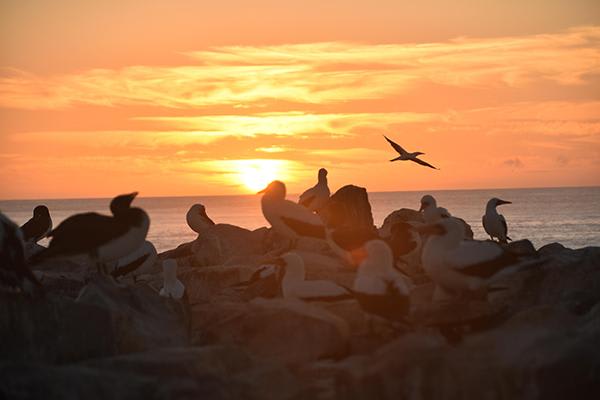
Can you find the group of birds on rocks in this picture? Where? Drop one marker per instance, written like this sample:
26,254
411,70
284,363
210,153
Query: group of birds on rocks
117,245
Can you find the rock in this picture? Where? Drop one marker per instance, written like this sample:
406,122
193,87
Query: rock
551,249
521,248
207,250
348,207
67,284
140,318
202,284
53,329
215,372
285,330
401,215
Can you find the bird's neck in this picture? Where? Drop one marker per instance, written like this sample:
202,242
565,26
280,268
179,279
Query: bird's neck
491,209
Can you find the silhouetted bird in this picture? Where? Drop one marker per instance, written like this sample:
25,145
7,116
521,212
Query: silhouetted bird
494,223
406,156
14,272
288,218
317,196
100,237
39,226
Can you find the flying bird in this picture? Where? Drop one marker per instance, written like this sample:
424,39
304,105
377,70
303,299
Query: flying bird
317,196
197,219
14,272
406,156
102,238
38,226
495,223
288,218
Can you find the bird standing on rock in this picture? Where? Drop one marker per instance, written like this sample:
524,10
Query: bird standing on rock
495,223
197,219
317,196
102,238
379,289
458,265
431,212
288,218
39,226
14,272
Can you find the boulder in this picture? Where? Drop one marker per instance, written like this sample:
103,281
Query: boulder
215,372
207,250
140,318
551,249
54,329
401,215
348,207
521,248
285,330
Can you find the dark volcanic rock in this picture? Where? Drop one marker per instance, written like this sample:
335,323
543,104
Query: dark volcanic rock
521,248
349,207
141,319
53,329
401,215
215,372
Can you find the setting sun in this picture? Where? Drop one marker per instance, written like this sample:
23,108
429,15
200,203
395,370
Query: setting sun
257,174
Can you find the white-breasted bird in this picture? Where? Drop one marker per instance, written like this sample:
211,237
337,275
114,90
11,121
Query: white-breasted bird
406,156
458,265
495,223
379,288
317,196
38,226
104,239
431,211
288,218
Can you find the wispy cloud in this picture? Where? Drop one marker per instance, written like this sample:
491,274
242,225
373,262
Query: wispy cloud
316,73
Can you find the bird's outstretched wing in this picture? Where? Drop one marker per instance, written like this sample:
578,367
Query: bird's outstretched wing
395,145
419,161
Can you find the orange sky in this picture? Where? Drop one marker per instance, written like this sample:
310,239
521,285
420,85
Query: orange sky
192,98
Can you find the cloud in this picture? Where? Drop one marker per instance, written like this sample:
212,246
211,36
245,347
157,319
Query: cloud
514,163
316,73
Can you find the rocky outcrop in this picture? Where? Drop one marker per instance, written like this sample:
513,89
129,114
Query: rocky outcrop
348,207
401,215
288,331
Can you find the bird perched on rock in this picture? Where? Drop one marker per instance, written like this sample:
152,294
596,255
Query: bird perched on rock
295,285
431,211
172,287
38,226
495,223
406,156
197,219
136,263
317,196
379,289
102,238
288,218
14,272
458,265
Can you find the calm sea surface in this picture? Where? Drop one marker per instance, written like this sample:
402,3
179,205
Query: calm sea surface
570,216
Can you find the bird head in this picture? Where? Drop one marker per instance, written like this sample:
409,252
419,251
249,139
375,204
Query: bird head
427,201
494,202
275,190
41,211
322,174
122,202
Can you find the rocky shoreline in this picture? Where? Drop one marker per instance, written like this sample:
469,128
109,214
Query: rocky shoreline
103,339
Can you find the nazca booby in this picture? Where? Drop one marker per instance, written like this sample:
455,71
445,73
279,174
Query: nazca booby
197,219
406,156
495,223
317,196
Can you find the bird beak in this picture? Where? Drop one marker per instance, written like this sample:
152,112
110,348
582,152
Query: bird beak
263,191
500,202
358,255
431,229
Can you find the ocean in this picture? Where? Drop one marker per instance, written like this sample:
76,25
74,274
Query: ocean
570,216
